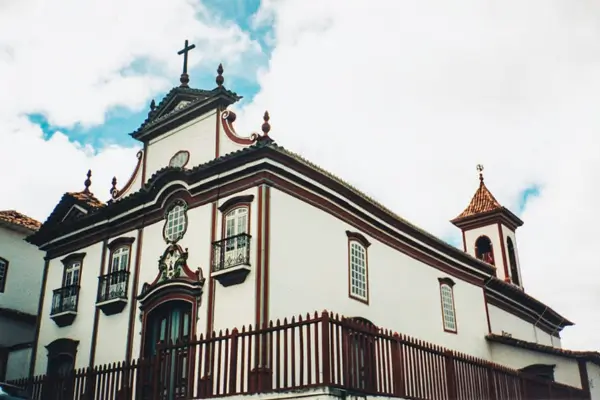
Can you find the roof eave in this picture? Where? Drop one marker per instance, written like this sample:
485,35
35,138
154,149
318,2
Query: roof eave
501,286
502,214
220,97
17,227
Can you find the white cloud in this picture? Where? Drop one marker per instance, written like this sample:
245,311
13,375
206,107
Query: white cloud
404,98
72,61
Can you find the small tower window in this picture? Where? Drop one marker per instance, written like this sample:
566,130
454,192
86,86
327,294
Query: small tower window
448,309
483,249
512,259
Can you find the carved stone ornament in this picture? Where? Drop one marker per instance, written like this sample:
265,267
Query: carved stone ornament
174,278
172,261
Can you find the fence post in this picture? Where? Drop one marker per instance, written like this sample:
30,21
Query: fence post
155,367
491,382
233,362
397,371
89,383
450,374
325,324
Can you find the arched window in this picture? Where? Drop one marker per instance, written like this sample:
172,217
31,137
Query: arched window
448,309
512,258
358,266
483,249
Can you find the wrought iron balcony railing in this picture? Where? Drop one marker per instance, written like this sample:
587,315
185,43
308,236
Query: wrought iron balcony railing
65,299
231,252
113,286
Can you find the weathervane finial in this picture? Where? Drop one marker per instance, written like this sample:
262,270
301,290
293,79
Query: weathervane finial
480,170
185,78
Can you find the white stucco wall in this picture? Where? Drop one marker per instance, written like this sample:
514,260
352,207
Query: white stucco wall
491,231
109,350
501,320
309,271
82,326
235,305
25,271
593,371
18,364
566,370
197,136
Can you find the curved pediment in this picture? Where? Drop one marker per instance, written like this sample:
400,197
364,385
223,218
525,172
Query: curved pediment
173,275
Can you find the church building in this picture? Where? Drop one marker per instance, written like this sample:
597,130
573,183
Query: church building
217,229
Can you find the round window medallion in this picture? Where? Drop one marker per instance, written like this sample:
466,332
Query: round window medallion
180,159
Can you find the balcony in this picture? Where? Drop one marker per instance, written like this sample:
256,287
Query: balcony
112,292
64,305
231,259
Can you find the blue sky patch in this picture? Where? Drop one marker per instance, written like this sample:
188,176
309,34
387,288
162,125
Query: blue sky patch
120,121
526,195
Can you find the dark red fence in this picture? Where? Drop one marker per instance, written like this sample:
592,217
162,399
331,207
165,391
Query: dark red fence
308,352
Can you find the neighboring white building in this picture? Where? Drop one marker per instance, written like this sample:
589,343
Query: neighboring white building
214,230
21,270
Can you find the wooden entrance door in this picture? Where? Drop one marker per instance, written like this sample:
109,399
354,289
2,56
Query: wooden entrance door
168,324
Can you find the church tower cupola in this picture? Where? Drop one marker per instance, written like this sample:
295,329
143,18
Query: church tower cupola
489,233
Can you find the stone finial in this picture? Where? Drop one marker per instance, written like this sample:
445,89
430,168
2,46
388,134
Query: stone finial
266,127
152,105
88,181
113,189
220,80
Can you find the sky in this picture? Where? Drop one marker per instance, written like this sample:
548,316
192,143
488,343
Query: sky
401,98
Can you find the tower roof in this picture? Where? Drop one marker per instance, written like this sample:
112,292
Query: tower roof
483,201
484,206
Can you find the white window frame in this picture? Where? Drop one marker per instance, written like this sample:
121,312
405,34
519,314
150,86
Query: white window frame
358,274
448,307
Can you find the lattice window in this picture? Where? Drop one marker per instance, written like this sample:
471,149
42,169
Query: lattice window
176,223
448,312
358,271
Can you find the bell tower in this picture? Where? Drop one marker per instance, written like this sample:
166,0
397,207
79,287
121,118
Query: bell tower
489,233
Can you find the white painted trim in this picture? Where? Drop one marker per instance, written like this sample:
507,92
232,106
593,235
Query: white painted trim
232,269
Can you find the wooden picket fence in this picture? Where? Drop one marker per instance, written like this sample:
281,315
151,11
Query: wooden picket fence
322,350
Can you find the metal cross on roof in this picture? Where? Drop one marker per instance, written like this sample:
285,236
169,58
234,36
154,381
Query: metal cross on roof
185,51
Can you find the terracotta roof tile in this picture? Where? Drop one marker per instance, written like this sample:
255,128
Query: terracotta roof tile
483,201
88,198
16,218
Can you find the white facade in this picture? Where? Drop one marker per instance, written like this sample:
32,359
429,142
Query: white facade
301,232
20,285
